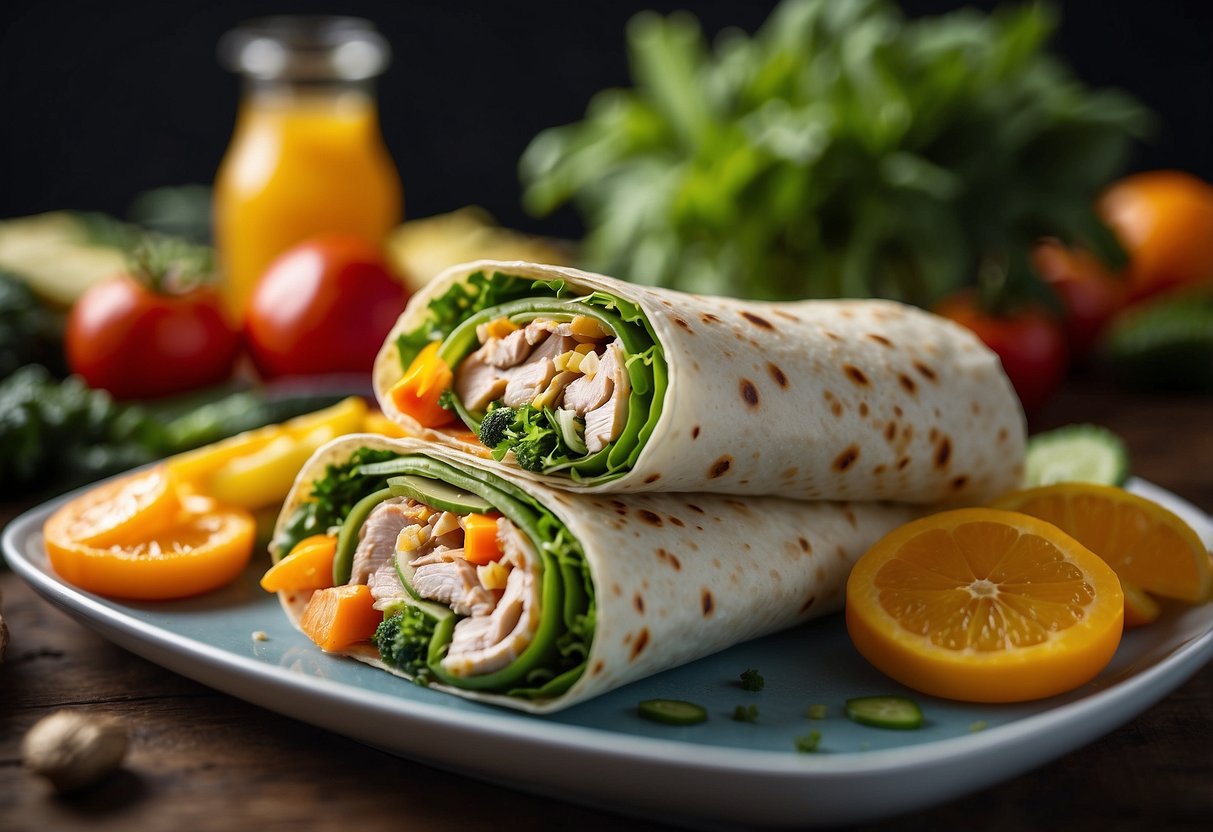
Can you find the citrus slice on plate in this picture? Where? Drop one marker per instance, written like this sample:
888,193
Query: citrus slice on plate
1147,545
984,605
119,511
202,547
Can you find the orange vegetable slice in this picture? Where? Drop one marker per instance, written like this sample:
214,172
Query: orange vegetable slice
309,565
480,544
204,547
339,616
1147,545
417,393
119,511
985,606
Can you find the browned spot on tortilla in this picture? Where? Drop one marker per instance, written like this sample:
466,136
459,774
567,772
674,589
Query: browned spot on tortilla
880,339
850,515
677,522
652,478
833,336
674,561
897,411
933,435
757,320
855,374
786,315
878,470
775,575
739,505
976,408
925,371
907,433
666,556
749,392
1002,435
708,318
638,603
618,504
777,374
642,639
836,408
890,431
694,508
907,383
727,353
960,482
617,590
863,409
790,473
807,604
666,304
650,517
943,453
903,462
708,602
821,574
691,544
805,545
683,324
598,667
720,467
847,458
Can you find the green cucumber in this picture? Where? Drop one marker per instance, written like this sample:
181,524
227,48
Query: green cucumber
347,537
894,712
672,711
1162,345
436,611
1076,453
437,494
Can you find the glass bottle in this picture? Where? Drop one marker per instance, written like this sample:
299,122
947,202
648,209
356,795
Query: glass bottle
307,156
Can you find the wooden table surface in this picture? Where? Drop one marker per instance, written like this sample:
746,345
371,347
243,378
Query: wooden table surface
201,760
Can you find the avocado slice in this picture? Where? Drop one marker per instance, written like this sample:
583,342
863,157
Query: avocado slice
437,494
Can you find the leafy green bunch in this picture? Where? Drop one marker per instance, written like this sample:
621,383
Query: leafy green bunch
842,150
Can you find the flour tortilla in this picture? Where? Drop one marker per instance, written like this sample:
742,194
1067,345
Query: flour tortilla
676,576
812,400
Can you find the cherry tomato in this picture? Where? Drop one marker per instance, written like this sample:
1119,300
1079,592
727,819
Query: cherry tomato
1164,220
1030,343
1090,293
324,306
137,342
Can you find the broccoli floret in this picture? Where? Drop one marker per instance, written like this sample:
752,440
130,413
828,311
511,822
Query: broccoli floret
403,640
524,430
495,424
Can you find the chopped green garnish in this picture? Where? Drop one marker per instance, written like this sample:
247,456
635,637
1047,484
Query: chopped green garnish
752,680
816,712
885,712
745,713
808,743
672,711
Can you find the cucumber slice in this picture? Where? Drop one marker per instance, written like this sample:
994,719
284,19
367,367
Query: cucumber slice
672,711
895,712
434,610
437,494
1076,453
571,431
347,537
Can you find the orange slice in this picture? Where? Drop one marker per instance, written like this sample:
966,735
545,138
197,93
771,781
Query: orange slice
202,548
116,512
1140,608
985,606
1147,545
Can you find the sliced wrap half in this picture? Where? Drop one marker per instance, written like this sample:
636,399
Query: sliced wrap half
603,386
598,590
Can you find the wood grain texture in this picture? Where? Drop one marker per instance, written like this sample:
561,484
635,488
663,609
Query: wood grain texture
200,760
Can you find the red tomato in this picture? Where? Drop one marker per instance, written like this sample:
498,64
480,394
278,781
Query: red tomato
324,306
136,342
1164,220
1090,294
1029,342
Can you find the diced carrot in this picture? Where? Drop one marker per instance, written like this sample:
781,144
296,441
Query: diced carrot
309,565
417,393
480,544
339,616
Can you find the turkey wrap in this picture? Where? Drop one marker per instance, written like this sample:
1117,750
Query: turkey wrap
603,386
502,589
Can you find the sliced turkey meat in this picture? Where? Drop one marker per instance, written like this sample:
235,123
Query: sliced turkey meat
377,538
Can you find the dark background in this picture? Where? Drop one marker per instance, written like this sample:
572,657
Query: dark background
99,100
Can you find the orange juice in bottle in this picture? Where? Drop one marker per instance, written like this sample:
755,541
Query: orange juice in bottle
307,156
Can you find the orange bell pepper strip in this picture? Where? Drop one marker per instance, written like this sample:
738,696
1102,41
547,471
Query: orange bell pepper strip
309,565
339,616
418,391
480,544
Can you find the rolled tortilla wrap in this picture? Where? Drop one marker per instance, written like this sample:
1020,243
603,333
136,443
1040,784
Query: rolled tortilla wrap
628,585
857,400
